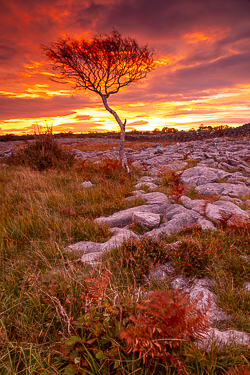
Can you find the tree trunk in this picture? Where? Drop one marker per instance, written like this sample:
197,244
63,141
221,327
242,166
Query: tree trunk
122,125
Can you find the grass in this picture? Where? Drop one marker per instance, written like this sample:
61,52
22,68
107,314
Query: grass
58,316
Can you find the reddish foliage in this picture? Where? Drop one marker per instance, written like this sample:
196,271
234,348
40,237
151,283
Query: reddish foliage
177,187
238,371
161,323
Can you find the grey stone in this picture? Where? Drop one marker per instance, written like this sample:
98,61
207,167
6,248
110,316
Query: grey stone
87,184
208,163
91,258
8,153
219,210
233,190
179,283
149,185
197,205
205,301
223,339
178,218
176,166
120,235
230,199
157,198
137,164
246,287
146,220
93,251
201,175
137,193
86,247
155,180
124,217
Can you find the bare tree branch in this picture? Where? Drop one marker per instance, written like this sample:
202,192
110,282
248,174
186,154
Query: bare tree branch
103,65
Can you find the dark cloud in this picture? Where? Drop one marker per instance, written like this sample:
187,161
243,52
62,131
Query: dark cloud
6,53
30,108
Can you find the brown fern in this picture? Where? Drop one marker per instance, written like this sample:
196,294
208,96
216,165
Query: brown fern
96,287
177,187
238,371
161,323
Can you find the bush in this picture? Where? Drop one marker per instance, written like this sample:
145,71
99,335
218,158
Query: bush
160,324
138,256
193,257
44,153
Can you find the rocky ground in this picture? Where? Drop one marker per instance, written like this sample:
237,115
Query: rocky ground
209,167
222,169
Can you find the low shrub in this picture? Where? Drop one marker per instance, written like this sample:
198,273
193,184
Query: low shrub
138,256
44,153
160,324
193,257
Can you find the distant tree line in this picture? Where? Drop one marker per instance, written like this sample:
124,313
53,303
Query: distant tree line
202,127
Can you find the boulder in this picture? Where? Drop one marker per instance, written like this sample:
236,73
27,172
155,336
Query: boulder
176,166
206,301
149,185
120,235
86,247
125,217
92,251
146,220
196,176
221,210
233,190
178,218
157,198
87,184
155,180
197,205
223,339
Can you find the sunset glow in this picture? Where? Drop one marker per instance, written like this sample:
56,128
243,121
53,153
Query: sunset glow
201,53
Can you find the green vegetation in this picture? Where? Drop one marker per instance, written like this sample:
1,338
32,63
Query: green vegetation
58,316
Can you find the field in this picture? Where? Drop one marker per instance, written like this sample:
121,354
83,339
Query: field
59,316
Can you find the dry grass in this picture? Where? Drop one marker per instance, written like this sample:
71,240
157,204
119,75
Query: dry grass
60,317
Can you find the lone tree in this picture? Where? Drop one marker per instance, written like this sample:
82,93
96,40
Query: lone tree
102,65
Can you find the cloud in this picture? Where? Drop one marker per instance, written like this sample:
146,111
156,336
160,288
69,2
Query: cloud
31,108
205,46
136,123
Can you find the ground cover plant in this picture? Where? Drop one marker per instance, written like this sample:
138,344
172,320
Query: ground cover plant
58,316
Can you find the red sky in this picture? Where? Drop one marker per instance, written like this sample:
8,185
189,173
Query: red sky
202,53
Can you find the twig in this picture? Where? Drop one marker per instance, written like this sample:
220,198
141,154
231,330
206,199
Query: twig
72,278
12,307
61,310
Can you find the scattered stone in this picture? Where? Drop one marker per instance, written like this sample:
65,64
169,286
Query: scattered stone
196,176
246,287
93,251
221,210
146,220
149,185
161,272
223,339
175,166
125,217
155,180
233,190
87,184
7,153
198,205
206,301
222,171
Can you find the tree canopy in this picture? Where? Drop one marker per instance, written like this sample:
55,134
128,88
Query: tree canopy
103,65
